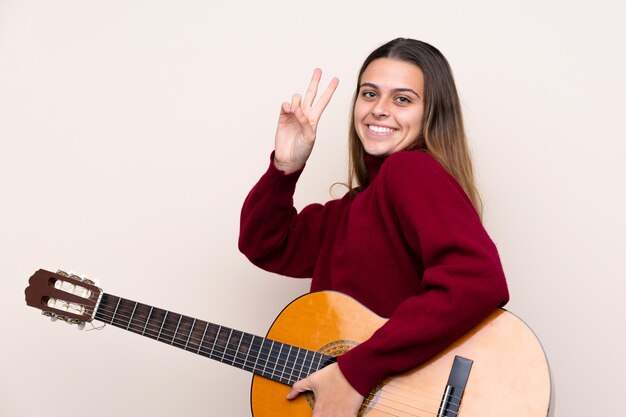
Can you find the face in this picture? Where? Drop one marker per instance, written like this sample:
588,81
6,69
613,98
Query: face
389,107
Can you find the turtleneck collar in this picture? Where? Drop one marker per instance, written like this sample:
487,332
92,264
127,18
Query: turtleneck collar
373,164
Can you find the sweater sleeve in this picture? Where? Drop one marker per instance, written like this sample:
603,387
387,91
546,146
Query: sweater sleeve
462,280
273,235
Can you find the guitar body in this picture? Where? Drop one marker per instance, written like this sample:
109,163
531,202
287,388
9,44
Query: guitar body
509,376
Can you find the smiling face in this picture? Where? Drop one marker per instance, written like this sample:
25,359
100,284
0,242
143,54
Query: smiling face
389,107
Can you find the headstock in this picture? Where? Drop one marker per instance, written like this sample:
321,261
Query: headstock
62,295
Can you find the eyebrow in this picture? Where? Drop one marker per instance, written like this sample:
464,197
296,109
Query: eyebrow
395,90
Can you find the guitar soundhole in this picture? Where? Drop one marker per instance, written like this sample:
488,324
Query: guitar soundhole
336,348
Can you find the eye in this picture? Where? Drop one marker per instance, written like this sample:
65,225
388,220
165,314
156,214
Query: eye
403,100
368,94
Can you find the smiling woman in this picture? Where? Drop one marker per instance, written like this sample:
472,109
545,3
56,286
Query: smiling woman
406,241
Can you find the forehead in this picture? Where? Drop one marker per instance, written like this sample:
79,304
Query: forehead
389,73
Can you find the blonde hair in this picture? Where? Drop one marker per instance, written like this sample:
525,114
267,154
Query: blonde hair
442,136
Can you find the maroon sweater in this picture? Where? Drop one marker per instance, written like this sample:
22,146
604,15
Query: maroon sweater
410,247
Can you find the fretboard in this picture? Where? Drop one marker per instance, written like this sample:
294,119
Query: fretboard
271,359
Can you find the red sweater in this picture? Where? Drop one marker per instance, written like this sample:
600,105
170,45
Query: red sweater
410,247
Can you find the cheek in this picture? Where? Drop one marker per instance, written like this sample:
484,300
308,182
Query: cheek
360,111
415,120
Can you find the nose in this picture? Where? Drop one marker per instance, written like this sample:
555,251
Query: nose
379,110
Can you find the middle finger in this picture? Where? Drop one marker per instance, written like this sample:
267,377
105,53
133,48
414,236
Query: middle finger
311,92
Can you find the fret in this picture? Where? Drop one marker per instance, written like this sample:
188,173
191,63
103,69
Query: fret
237,350
170,329
309,357
293,360
319,361
202,340
304,373
283,353
143,332
131,316
267,356
243,350
280,349
162,324
190,332
304,363
297,366
258,355
226,345
123,313
287,366
116,307
219,328
251,352
176,330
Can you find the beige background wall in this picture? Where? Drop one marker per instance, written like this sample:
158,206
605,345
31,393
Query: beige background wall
131,132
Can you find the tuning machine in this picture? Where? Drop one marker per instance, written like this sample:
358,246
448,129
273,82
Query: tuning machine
80,278
55,317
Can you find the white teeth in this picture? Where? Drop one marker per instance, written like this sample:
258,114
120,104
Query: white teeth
380,129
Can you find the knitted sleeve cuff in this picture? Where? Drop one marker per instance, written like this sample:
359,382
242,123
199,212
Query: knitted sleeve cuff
361,369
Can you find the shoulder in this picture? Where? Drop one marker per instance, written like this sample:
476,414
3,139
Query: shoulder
417,177
415,167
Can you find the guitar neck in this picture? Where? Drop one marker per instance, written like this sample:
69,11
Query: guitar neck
271,359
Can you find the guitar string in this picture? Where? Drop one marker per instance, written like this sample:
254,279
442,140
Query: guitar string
87,308
233,361
232,357
199,341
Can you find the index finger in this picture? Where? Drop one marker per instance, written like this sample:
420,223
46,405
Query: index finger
325,98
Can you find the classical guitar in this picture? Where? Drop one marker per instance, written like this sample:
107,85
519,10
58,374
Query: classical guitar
498,369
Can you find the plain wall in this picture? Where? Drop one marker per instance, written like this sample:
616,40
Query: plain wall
131,132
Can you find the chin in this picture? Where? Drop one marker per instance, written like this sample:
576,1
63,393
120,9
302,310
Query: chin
377,150
376,153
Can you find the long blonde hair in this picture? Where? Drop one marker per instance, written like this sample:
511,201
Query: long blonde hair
442,136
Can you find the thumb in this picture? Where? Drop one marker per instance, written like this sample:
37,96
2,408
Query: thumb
298,388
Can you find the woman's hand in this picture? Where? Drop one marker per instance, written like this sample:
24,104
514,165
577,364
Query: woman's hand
334,396
297,125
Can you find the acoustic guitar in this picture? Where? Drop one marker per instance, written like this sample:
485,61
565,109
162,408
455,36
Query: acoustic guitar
498,369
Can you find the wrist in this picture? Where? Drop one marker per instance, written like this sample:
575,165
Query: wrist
287,168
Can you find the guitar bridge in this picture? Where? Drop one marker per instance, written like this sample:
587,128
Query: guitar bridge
457,380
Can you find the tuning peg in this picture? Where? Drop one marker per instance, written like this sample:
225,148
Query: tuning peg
53,317
75,277
81,325
87,280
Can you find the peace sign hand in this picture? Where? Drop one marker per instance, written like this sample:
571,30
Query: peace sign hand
297,125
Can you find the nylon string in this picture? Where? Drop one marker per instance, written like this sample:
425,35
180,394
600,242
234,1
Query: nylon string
232,358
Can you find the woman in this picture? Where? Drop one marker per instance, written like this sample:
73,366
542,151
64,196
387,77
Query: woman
406,241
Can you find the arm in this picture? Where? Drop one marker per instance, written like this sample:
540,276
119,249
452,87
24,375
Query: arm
273,235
